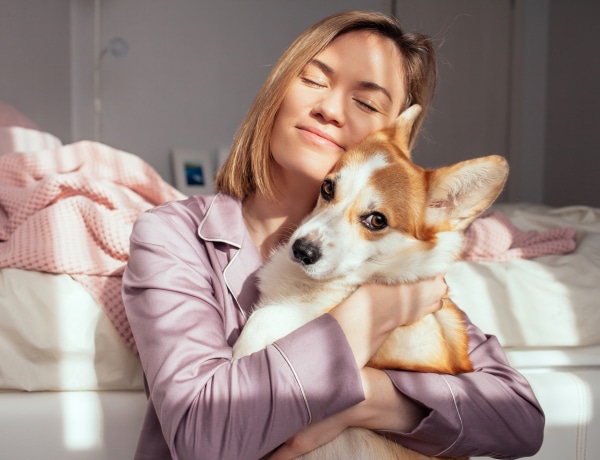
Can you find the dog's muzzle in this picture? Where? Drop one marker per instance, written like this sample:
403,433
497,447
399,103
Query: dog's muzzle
305,252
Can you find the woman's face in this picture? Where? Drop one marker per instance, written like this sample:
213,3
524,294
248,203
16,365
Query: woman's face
352,88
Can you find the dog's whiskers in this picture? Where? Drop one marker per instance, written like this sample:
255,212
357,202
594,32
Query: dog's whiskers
287,231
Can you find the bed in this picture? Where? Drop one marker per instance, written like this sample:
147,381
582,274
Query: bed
71,384
544,311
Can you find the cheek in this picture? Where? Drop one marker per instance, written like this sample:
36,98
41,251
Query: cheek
360,127
286,116
281,141
295,101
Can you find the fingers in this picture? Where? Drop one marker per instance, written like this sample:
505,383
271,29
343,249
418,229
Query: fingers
439,284
285,452
420,298
310,438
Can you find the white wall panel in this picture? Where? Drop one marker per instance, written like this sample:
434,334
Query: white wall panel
34,61
191,71
469,117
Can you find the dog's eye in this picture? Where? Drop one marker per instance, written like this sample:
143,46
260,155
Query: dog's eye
327,189
375,221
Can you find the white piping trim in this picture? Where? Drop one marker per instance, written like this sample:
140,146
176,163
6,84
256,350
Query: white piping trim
212,240
457,413
297,380
235,245
229,287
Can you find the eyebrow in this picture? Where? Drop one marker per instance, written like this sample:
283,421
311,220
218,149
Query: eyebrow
363,84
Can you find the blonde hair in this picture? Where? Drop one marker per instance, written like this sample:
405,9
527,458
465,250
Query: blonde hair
248,169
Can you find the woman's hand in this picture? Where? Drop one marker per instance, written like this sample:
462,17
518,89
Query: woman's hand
409,301
383,408
313,436
373,311
367,318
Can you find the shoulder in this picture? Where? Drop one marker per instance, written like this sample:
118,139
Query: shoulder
192,209
210,217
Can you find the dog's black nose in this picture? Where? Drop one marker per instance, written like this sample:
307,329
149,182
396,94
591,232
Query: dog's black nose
305,252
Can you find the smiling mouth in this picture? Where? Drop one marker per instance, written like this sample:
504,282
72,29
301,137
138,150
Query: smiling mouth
320,138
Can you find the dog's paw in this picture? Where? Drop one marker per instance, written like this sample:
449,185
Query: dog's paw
267,325
245,346
256,335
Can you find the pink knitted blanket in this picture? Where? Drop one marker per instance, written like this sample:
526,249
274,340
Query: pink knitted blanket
71,210
493,237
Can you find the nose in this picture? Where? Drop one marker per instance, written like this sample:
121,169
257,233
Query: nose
305,252
330,108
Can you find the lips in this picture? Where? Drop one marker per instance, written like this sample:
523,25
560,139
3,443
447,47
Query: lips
319,137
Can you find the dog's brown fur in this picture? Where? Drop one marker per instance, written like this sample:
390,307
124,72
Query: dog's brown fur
426,211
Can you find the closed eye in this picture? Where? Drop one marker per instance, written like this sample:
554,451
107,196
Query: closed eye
310,82
368,107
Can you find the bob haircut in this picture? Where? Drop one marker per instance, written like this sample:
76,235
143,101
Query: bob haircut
248,169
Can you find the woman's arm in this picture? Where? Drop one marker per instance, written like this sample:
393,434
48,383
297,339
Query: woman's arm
367,317
491,411
373,311
183,320
383,407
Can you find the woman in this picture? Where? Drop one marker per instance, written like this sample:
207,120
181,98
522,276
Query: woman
190,284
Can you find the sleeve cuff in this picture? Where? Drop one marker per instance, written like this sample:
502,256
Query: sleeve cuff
320,357
442,428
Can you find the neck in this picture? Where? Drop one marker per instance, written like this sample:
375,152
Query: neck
270,223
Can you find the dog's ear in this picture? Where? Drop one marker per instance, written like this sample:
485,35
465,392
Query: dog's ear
402,128
457,194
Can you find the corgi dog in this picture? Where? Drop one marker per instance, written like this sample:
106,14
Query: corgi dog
379,218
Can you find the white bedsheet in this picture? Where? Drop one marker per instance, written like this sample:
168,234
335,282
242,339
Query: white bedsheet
550,301
55,336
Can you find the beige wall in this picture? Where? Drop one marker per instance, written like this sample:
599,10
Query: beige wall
191,71
518,78
572,168
35,61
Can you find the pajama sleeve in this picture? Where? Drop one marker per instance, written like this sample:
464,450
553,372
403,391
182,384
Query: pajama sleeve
209,407
489,412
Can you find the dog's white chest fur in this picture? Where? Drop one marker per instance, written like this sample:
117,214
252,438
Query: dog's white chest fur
289,299
379,218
